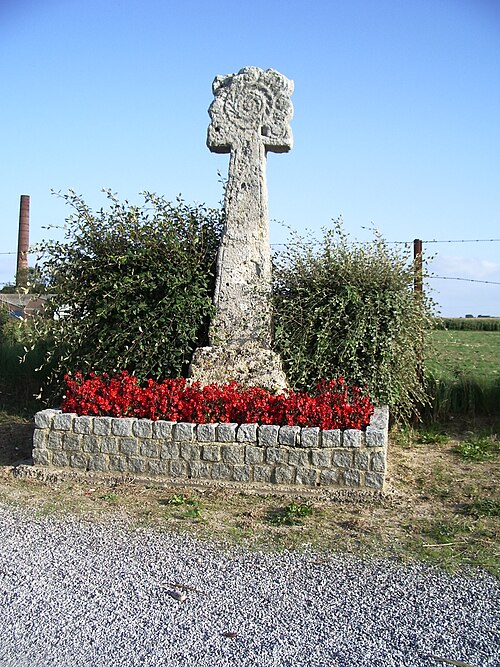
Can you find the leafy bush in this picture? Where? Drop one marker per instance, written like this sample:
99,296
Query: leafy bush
349,308
469,323
133,287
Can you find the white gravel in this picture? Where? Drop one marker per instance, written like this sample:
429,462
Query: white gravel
76,593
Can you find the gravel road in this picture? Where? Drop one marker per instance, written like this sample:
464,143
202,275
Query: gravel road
78,593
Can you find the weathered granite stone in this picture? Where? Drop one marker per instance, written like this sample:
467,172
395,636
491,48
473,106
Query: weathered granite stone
309,437
184,432
352,477
91,443
60,459
78,460
109,443
276,455
83,424
321,458
254,454
157,467
378,462
45,418
211,453
306,476
289,435
268,435
247,433
200,469
362,460
118,463
150,450
331,439
241,473
329,477
234,454
169,450
250,117
342,459
122,425
221,471
262,473
40,438
206,432
137,464
71,442
189,451
298,457
143,428
375,437
99,463
42,457
178,468
226,432
129,446
284,474
63,422
352,438
162,430
374,480
102,425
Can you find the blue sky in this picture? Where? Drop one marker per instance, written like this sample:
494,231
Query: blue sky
396,125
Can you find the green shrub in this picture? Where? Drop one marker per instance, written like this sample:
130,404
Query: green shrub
344,308
133,287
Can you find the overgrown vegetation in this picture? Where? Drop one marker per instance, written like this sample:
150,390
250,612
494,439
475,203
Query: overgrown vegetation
133,287
470,323
344,308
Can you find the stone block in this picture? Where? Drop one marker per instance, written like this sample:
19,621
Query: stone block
129,446
206,432
352,477
329,477
200,469
352,437
254,454
189,451
122,425
321,458
118,463
226,432
262,473
375,437
71,442
331,438
79,460
210,453
378,461
40,438
91,443
162,430
137,465
342,459
60,459
83,424
362,460
150,449
155,467
374,480
169,451
307,476
241,473
276,455
42,457
284,474
267,435
234,454
178,468
380,418
102,425
63,421
221,471
143,428
99,463
247,433
109,444
183,432
298,457
44,418
309,437
289,435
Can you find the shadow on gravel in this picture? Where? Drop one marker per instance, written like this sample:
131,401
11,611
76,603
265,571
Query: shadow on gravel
15,443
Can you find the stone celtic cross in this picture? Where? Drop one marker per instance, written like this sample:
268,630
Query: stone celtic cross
250,117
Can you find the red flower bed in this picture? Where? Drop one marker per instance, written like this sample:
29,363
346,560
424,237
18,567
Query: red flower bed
334,405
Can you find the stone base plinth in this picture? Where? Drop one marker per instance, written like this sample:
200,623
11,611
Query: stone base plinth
249,366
